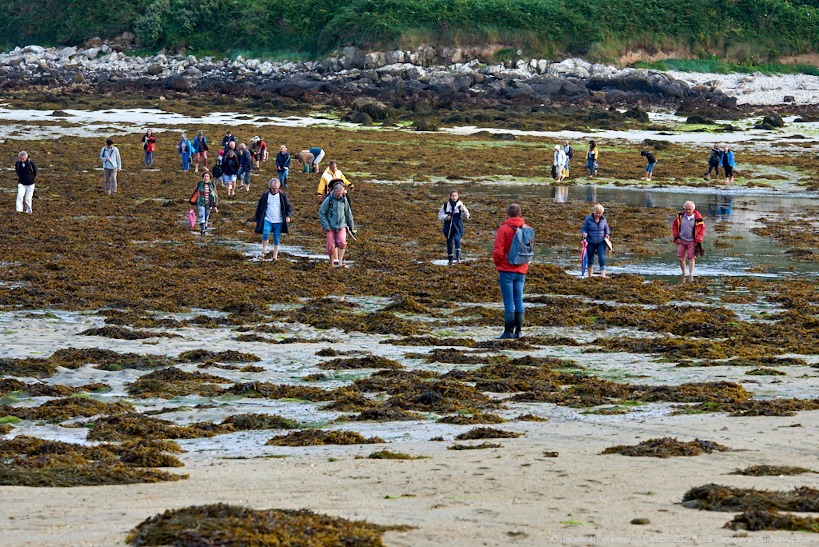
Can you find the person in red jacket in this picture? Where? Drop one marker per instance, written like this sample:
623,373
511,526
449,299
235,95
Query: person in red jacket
511,277
688,230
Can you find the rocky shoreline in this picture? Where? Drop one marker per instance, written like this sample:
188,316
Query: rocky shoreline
438,78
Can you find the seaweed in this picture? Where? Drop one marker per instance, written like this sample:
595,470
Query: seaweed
279,391
530,418
5,429
259,421
136,426
773,407
765,372
389,455
481,446
765,519
122,333
486,433
35,389
173,382
227,356
471,419
222,524
771,471
387,415
667,447
431,341
312,437
59,410
28,461
714,497
327,352
370,361
407,304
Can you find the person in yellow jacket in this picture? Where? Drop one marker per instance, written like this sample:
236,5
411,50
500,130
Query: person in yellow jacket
325,185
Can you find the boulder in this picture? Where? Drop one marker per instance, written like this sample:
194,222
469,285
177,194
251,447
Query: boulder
376,110
774,120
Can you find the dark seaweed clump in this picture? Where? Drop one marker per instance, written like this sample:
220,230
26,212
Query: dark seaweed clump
667,447
59,410
173,382
260,421
73,358
431,341
39,389
27,461
227,356
770,407
390,455
472,419
222,524
387,415
771,470
487,433
481,446
139,426
370,361
124,333
714,497
754,521
312,437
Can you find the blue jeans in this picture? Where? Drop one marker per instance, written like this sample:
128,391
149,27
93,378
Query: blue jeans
244,176
600,249
650,167
149,159
186,161
511,287
453,243
275,228
204,215
283,176
590,165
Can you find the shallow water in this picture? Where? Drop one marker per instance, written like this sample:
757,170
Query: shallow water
734,210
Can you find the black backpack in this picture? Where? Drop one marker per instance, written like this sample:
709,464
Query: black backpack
570,153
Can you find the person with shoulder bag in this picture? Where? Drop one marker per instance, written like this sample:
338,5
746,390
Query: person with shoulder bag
26,173
453,213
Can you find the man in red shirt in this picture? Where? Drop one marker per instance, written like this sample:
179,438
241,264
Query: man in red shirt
511,277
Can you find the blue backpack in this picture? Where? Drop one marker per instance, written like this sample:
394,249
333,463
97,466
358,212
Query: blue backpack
522,249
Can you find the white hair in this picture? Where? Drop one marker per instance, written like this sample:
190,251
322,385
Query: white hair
22,153
691,203
598,208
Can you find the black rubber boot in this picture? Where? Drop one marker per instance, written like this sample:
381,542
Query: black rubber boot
458,256
508,326
518,323
450,260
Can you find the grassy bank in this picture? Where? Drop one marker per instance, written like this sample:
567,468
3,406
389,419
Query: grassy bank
745,30
723,67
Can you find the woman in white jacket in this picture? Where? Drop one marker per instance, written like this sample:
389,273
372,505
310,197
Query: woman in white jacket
452,214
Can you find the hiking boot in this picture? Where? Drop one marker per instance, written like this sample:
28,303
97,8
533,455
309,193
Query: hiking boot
450,260
518,323
458,256
508,326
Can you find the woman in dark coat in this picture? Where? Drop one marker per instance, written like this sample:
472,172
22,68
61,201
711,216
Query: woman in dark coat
273,214
452,214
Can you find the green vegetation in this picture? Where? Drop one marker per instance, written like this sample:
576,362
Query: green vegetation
747,31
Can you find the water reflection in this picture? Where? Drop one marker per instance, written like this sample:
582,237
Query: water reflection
560,194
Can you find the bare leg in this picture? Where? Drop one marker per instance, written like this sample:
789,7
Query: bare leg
682,268
602,273
275,252
264,247
590,273
690,269
341,257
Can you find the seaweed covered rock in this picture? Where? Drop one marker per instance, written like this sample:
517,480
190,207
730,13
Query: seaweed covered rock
715,497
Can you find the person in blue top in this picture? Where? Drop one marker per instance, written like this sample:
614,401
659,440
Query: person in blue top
283,165
728,164
245,166
318,155
596,233
200,151
185,149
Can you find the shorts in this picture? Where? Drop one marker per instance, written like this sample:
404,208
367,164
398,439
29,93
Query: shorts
686,249
650,167
227,179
